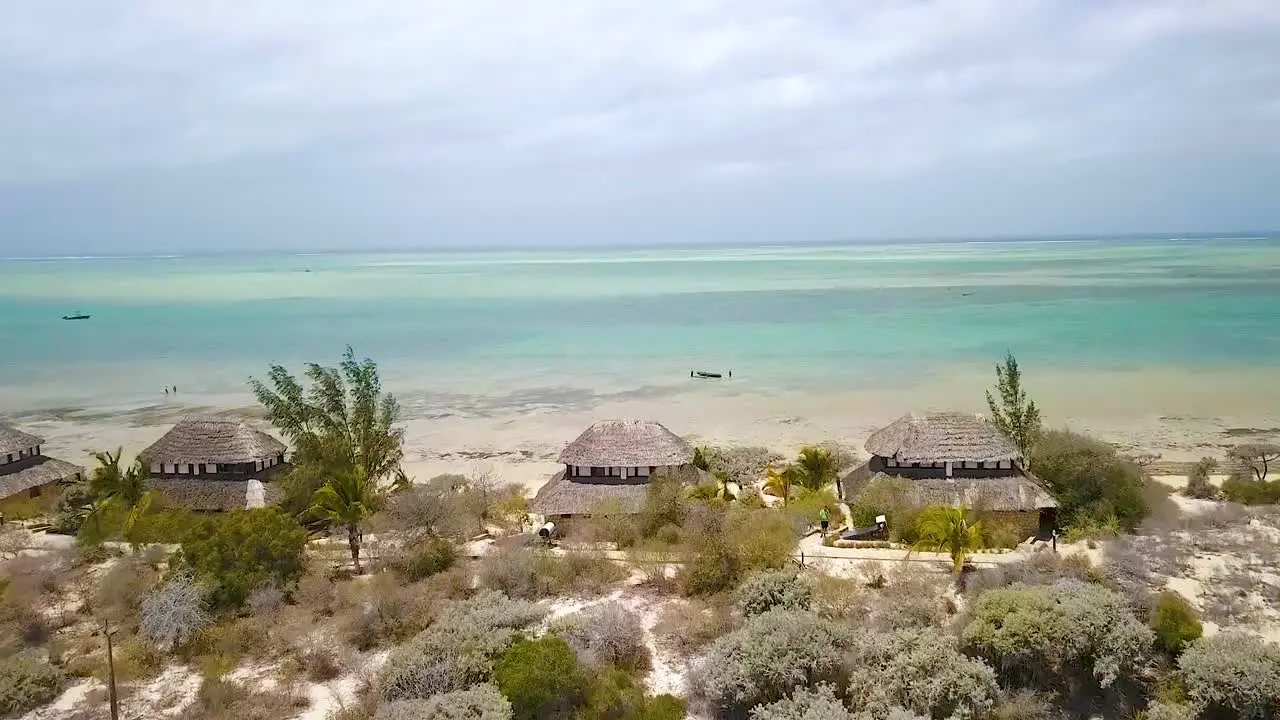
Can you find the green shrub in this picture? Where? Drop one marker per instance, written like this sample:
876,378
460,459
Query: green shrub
1052,634
459,649
613,694
1232,675
714,569
1090,480
1174,622
540,678
532,574
432,556
27,683
765,590
864,515
71,508
237,552
1245,490
481,702
1168,711
893,497
922,670
768,658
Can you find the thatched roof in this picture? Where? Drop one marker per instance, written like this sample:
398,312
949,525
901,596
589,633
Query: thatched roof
42,471
629,443
941,437
212,441
12,440
214,495
1016,493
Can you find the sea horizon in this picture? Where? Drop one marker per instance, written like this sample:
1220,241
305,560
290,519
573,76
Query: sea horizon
544,327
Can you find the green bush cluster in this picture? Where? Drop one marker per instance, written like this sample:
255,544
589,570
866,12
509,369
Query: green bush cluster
237,552
1046,635
1090,480
428,557
1246,490
922,670
606,635
1174,622
540,678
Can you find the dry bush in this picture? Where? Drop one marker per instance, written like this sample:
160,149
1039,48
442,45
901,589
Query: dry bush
687,626
1232,675
482,702
911,597
1042,568
27,682
840,599
655,564
743,465
532,574
380,610
1227,599
920,669
1130,573
222,699
606,635
765,590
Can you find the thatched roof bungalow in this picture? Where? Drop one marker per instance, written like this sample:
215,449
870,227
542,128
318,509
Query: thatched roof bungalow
211,464
952,459
24,468
611,462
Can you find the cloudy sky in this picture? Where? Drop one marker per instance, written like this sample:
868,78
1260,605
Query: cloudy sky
146,125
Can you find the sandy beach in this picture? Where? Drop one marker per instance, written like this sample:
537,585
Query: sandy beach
1180,415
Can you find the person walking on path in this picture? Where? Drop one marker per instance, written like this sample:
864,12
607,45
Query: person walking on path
824,519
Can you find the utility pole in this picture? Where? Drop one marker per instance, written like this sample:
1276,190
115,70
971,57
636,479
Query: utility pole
111,674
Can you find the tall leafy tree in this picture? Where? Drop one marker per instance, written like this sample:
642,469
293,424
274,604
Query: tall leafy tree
341,422
1015,414
115,493
949,530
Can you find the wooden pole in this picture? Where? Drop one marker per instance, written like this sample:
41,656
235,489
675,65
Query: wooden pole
111,674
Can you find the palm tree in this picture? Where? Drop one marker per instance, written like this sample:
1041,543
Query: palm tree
779,481
817,467
948,529
113,488
342,421
347,499
717,489
702,458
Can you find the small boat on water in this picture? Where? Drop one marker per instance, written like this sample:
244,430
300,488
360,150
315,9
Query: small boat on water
707,375
76,316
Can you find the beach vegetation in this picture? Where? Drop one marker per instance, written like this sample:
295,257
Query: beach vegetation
459,649
1198,484
1090,480
26,683
613,694
781,482
540,677
766,660
765,590
1012,411
117,496
1174,622
742,465
237,552
340,422
1254,458
817,467
346,499
606,635
479,702
951,530
1232,675
424,559
1069,636
922,670
174,612
688,626
532,574
1244,489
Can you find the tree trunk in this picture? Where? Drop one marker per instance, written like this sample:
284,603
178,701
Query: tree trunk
353,541
111,674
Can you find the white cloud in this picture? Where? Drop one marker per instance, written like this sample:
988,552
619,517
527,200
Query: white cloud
652,94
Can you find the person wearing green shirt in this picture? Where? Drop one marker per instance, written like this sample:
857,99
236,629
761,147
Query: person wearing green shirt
824,519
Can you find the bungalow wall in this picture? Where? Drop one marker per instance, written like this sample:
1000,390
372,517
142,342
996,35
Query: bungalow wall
966,469
260,470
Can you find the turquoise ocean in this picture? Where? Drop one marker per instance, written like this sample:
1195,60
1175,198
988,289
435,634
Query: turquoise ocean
479,331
